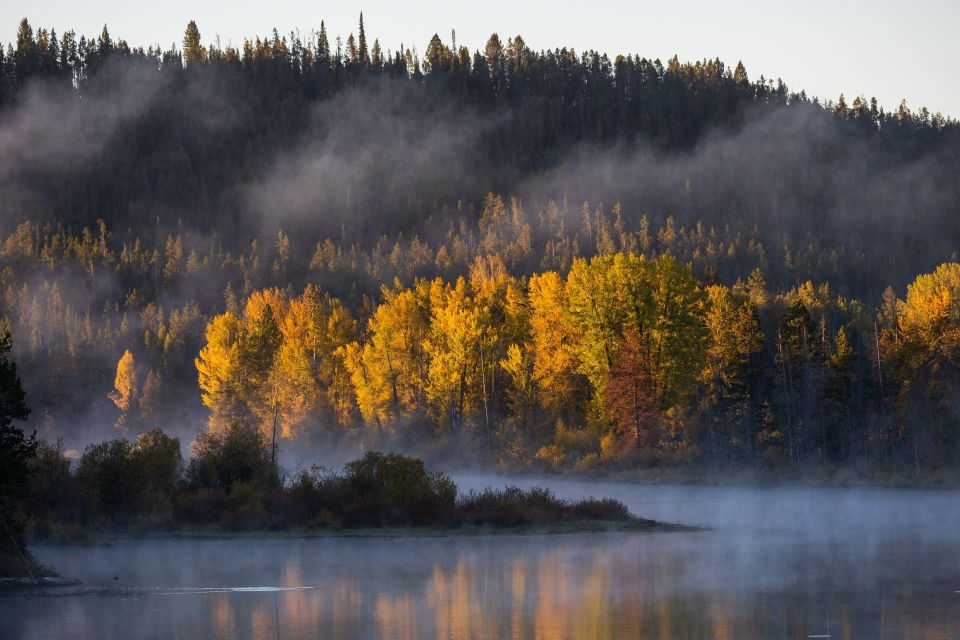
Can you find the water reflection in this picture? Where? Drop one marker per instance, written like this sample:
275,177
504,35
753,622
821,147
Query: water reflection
895,582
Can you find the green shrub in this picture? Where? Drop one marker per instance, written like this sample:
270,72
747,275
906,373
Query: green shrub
109,480
389,490
52,492
222,459
158,459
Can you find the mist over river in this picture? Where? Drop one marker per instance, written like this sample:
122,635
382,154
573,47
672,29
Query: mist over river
776,563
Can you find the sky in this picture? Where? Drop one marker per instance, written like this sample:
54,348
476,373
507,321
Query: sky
892,50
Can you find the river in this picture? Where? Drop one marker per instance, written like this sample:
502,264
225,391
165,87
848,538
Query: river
776,563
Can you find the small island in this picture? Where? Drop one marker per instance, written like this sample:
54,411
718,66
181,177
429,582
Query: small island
233,485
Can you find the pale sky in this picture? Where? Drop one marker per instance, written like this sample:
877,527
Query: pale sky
883,48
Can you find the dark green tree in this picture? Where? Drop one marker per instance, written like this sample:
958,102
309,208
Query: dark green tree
362,51
16,451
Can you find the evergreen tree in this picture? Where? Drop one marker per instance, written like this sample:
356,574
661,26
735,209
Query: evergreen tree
193,51
362,52
16,450
25,57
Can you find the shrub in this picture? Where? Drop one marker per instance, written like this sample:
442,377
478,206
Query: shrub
246,507
589,463
513,507
383,490
51,490
158,460
202,506
551,456
576,442
109,480
237,454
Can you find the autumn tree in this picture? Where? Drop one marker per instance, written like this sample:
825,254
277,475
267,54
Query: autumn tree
522,392
502,317
922,355
658,300
220,375
389,369
452,349
630,391
125,390
733,370
839,391
554,343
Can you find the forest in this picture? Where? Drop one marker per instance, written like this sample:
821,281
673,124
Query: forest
534,259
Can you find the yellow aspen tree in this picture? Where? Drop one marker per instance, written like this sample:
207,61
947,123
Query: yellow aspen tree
389,369
522,394
554,344
367,377
219,372
451,347
501,315
291,387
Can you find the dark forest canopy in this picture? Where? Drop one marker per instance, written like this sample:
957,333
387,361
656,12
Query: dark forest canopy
348,139
154,198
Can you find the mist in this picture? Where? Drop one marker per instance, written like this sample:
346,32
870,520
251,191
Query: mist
794,562
791,178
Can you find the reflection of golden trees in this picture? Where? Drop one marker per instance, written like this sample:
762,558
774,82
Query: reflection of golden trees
224,620
573,588
518,585
552,591
395,618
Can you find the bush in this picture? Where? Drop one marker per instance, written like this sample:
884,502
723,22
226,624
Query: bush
576,442
247,507
202,506
589,463
222,459
159,461
109,480
51,490
157,458
119,481
513,507
389,490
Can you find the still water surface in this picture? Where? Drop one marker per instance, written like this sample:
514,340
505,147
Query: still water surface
779,563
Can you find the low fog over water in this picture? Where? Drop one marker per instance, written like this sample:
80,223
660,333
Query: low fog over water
777,563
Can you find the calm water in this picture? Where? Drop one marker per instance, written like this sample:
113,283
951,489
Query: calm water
795,563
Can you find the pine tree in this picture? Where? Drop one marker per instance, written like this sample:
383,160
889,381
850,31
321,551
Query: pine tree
353,57
323,46
16,450
104,43
495,61
362,53
193,51
25,57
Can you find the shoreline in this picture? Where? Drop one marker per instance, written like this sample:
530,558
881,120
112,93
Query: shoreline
638,525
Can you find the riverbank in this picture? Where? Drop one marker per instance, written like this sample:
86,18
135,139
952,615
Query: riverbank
606,523
108,538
